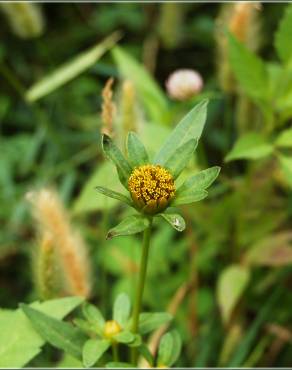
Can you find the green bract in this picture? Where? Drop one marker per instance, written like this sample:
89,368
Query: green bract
151,184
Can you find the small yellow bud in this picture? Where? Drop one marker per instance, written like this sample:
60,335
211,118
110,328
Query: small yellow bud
111,329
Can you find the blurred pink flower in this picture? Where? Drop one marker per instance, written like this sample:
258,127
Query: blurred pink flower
182,84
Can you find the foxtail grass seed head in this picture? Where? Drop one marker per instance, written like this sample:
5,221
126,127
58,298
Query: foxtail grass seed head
183,84
242,20
108,108
44,264
111,328
151,188
71,252
129,116
25,18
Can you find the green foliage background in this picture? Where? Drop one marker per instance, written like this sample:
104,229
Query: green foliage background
235,255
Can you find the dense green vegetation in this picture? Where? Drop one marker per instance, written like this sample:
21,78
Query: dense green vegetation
217,293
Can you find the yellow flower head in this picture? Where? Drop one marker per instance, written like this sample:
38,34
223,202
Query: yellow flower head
151,187
111,328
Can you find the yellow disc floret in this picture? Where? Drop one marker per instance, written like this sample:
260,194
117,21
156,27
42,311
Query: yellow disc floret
151,188
111,328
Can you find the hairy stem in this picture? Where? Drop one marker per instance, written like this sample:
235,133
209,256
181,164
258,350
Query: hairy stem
141,284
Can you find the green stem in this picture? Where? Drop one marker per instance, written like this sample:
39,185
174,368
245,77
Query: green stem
115,352
141,284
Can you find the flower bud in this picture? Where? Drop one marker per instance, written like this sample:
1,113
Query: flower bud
111,329
184,84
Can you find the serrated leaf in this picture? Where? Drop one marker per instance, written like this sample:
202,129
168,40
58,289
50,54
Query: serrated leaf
114,194
151,321
93,316
169,349
188,197
122,307
190,127
283,36
249,70
284,139
231,285
200,181
250,146
92,351
274,250
130,225
148,90
125,337
116,156
23,343
70,70
137,154
58,333
175,220
179,160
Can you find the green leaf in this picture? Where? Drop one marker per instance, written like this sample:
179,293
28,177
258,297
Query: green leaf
88,200
58,333
179,160
122,307
188,197
119,365
190,127
274,250
249,70
247,342
114,194
137,154
23,343
231,285
250,146
148,90
130,225
200,181
136,342
92,351
175,220
70,70
93,316
144,351
151,321
125,337
283,36
115,155
69,362
169,349
84,325
284,139
286,166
